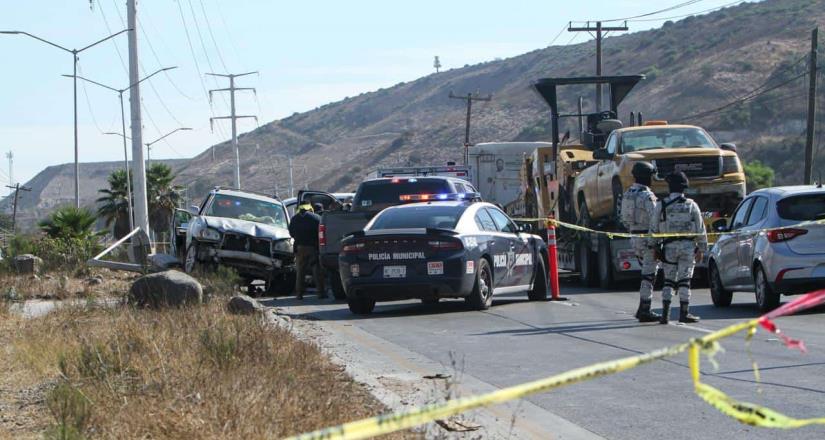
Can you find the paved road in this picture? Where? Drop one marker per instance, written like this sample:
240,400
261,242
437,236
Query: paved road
516,341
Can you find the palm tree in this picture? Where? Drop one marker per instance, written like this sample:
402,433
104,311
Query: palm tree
114,205
163,196
70,222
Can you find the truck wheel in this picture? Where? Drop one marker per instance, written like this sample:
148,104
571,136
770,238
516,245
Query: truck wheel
190,263
337,285
482,295
539,290
721,297
605,268
281,285
586,262
361,306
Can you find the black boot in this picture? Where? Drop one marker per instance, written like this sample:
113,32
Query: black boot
644,314
684,314
665,313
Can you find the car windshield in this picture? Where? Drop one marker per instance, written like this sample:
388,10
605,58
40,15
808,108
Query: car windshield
425,216
241,208
390,191
665,137
802,208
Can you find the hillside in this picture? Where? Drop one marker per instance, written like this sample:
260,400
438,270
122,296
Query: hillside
692,65
54,187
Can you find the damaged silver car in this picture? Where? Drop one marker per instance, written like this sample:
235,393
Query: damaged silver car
245,231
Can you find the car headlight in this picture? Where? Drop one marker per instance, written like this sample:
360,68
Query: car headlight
208,234
730,164
284,245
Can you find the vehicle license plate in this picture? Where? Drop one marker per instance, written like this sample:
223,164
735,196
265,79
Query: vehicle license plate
435,268
395,271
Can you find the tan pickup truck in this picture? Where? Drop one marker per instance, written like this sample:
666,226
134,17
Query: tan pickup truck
717,181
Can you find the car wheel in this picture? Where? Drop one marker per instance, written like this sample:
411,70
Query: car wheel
337,285
281,285
585,259
605,266
766,298
361,306
190,263
721,297
617,203
539,290
482,295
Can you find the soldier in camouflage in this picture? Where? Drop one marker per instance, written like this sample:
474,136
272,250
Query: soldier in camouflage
678,214
638,203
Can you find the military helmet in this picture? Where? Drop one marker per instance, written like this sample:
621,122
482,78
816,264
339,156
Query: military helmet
643,170
677,181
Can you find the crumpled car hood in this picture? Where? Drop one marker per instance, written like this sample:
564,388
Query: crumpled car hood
246,227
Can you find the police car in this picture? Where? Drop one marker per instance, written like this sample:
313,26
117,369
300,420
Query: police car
433,250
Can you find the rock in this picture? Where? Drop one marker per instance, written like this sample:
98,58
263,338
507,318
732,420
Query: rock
95,281
27,264
244,305
163,289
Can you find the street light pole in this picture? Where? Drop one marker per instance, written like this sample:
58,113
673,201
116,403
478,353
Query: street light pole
75,58
149,144
123,128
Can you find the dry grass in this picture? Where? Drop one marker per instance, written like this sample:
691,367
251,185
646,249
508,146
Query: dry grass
189,373
63,285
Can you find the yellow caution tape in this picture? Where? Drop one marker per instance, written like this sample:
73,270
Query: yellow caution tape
611,235
748,413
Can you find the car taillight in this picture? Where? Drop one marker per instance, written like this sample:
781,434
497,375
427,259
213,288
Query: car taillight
445,245
322,235
786,234
352,248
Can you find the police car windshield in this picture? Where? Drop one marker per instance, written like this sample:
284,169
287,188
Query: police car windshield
241,208
425,216
665,137
390,191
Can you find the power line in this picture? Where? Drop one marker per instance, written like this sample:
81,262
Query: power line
88,101
648,14
157,58
674,17
212,36
561,31
751,95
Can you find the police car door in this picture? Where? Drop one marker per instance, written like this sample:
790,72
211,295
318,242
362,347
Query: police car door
518,258
497,246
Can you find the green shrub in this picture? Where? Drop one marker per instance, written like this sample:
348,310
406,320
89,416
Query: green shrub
70,409
758,175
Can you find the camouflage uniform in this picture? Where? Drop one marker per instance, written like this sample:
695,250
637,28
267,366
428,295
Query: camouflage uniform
678,214
638,204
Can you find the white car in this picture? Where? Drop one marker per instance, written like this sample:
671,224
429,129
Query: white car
245,231
770,247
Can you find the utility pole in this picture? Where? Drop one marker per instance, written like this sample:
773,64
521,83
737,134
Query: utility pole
601,32
809,139
138,164
233,116
17,188
75,58
469,98
122,134
437,64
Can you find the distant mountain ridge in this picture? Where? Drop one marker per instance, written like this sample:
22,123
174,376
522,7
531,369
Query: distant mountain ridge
693,65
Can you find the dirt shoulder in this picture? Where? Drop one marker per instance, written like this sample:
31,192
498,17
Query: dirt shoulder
197,372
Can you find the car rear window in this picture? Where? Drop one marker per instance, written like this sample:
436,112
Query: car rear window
390,191
802,208
428,216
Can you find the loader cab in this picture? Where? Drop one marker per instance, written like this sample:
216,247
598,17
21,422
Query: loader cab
598,128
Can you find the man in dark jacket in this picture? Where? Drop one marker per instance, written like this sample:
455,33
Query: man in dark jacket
304,230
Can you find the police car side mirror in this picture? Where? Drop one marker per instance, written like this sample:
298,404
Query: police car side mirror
527,228
602,154
720,225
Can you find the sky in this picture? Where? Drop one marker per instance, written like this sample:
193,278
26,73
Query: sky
308,53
